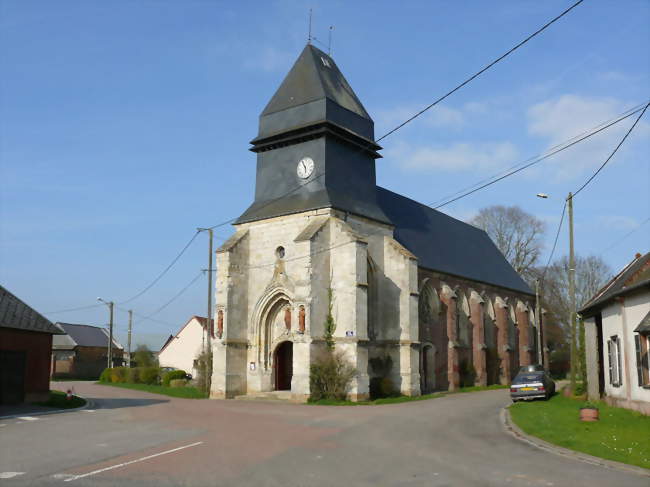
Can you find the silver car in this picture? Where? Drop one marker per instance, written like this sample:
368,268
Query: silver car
532,382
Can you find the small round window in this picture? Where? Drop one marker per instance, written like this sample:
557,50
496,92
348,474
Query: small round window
279,252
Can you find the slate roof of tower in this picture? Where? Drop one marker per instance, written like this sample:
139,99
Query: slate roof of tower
14,313
314,76
442,243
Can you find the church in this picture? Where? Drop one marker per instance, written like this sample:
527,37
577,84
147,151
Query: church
418,297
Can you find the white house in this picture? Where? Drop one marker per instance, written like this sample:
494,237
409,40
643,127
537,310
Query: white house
617,335
180,350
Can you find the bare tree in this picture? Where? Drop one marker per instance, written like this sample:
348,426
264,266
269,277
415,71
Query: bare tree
517,234
591,274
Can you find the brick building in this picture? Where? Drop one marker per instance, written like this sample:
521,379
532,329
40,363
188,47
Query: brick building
407,285
25,350
82,352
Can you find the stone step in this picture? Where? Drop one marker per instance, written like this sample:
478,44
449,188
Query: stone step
284,396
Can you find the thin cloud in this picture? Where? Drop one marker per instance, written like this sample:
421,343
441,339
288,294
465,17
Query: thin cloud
457,157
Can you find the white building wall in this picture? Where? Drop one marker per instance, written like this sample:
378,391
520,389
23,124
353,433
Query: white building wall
621,319
183,348
636,307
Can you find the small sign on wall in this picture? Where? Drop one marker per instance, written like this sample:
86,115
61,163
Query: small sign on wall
349,333
251,366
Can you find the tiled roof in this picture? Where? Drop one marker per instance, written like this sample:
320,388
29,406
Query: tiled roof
14,313
83,336
636,274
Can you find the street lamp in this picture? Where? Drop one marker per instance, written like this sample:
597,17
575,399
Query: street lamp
110,305
538,310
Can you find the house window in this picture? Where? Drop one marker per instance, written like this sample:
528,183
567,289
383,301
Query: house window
614,352
641,345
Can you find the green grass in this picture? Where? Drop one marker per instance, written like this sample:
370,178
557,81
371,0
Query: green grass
185,392
400,399
620,435
58,400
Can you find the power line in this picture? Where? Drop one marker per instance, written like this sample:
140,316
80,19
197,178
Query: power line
542,157
604,125
607,249
73,309
176,296
557,235
164,271
477,74
614,151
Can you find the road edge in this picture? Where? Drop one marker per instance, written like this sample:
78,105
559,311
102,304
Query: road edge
55,411
514,430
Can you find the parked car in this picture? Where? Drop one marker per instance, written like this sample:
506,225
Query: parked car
532,382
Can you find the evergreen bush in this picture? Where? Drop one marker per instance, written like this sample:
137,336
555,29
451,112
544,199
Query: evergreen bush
105,376
133,375
330,375
150,375
172,375
175,383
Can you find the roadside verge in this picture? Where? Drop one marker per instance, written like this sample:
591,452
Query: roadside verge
512,429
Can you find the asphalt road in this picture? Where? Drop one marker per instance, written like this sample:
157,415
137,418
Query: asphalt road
138,439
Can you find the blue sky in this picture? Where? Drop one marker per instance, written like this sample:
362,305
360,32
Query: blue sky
124,125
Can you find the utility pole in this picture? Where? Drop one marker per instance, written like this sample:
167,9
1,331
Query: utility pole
538,317
110,305
572,297
209,324
128,341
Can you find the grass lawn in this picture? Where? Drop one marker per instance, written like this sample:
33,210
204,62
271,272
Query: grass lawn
399,399
185,392
58,400
621,435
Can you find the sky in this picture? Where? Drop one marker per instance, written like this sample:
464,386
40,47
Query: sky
125,125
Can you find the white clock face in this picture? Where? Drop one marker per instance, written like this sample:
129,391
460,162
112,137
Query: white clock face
305,167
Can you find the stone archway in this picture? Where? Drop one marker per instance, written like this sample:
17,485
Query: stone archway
283,366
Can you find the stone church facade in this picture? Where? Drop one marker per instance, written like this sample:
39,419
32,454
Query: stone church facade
401,279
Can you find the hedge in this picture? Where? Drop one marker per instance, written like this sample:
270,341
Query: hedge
172,375
135,375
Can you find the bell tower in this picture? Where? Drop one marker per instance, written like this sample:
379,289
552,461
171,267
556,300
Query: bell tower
315,146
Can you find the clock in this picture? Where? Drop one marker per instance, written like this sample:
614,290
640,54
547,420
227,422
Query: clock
305,167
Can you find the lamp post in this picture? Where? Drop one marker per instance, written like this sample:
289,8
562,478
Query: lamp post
110,305
538,310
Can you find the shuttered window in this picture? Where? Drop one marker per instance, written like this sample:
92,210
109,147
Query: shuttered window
641,346
614,353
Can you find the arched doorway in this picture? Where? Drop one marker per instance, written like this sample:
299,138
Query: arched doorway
428,369
283,366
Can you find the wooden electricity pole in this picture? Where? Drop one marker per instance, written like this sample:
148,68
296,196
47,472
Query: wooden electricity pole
128,341
572,297
110,334
208,341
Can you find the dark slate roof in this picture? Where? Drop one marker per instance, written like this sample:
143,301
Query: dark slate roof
644,326
444,244
83,336
314,76
633,276
315,90
14,313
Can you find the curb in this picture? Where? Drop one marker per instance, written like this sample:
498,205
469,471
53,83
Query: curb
512,429
55,411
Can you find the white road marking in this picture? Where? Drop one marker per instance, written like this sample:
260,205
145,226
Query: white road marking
88,410
132,461
10,475
28,418
60,476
